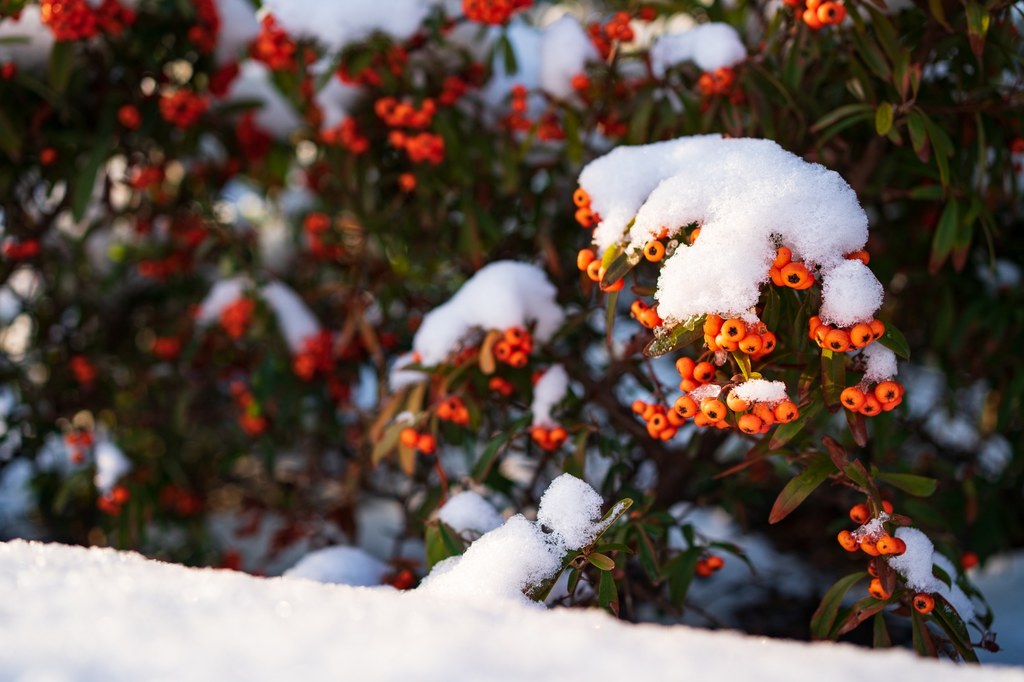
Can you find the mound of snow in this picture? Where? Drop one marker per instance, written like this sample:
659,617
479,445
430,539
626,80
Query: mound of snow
340,566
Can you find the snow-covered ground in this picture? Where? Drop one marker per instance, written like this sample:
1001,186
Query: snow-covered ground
68,613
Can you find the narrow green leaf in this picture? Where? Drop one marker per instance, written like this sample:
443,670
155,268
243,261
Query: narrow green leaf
648,555
894,340
619,268
490,454
859,612
86,180
945,233
441,543
943,148
833,376
800,486
62,61
919,486
923,643
978,21
839,114
880,633
825,615
953,625
680,574
680,336
918,132
883,118
607,593
602,562
939,13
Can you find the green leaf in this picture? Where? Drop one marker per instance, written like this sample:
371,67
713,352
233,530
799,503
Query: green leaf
825,615
939,13
858,427
602,562
800,486
843,112
10,140
833,375
883,118
978,21
607,593
859,612
787,432
953,625
441,543
648,555
680,336
62,61
945,233
680,574
923,643
619,268
85,182
490,454
919,486
894,340
880,633
943,148
918,132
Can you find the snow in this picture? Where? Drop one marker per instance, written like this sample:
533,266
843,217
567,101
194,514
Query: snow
999,580
274,115
525,42
111,465
295,319
500,295
710,46
747,195
468,511
96,614
880,363
340,566
238,28
915,565
337,23
223,293
761,391
850,295
565,49
549,390
572,510
35,39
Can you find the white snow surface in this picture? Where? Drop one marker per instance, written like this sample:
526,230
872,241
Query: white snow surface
500,295
238,28
294,317
468,511
111,465
880,363
565,49
915,565
710,46
761,391
274,115
337,23
70,613
747,195
851,294
549,390
35,39
340,565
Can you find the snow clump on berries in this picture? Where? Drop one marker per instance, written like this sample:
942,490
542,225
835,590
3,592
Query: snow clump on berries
916,566
880,361
710,46
549,390
572,510
850,294
500,295
468,511
111,465
337,24
565,49
761,391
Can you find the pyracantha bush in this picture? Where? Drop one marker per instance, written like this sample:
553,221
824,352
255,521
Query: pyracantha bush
282,277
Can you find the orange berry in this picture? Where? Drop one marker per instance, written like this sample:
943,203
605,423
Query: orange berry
699,420
871,406
685,366
581,198
860,335
872,569
715,562
733,330
713,409
776,276
847,541
764,413
639,406
725,343
862,255
694,235
901,547
702,569
408,437
594,270
685,406
886,545
654,251
687,385
887,506
712,325
796,276
782,257
877,328
768,342
786,411
559,434
736,403
923,603
750,424
831,13
810,18
649,318
518,359
516,336
704,372
859,514
852,398
869,547
616,286
812,326
751,344
426,444
674,418
969,560
877,590
584,258
503,350
837,341
667,433
657,422
887,391
820,333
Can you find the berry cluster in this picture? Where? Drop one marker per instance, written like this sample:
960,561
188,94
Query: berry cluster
708,565
786,272
617,28
236,316
252,420
549,438
424,443
203,34
346,134
736,335
514,347
817,14
112,502
886,396
719,82
839,340
273,46
401,114
453,410
584,215
420,148
662,423
492,11
182,108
